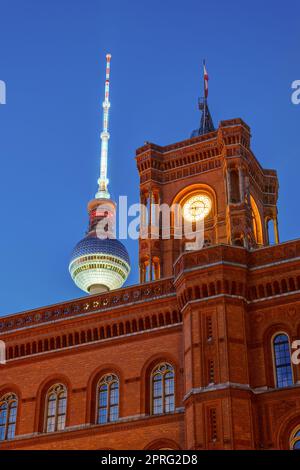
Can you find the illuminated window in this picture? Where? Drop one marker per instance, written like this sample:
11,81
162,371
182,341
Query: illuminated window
282,361
256,220
295,439
56,408
163,390
8,416
108,399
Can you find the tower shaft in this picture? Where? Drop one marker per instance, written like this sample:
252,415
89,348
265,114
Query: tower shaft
103,180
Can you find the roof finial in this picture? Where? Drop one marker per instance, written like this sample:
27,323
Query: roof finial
206,123
103,181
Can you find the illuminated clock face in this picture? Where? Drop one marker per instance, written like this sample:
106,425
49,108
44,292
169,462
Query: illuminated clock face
197,207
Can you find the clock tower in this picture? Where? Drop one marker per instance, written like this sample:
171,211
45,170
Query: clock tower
214,176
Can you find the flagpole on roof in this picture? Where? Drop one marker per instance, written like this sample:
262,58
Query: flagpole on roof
206,124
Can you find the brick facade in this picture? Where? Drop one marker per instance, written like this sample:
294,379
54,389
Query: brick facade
212,314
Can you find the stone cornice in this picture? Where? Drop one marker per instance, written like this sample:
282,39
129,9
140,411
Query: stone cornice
72,432
261,258
237,386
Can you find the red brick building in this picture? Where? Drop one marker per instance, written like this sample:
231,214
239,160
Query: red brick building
196,356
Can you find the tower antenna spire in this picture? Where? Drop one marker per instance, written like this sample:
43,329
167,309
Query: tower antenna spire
103,180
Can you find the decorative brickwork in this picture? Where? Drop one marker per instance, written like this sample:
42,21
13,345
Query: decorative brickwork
185,359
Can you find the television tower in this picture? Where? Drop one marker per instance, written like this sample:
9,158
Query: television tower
100,262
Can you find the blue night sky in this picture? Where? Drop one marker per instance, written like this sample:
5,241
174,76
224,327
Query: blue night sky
53,62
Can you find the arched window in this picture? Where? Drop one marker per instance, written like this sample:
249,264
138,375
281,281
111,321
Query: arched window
8,416
163,389
282,360
56,408
257,225
108,399
295,439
